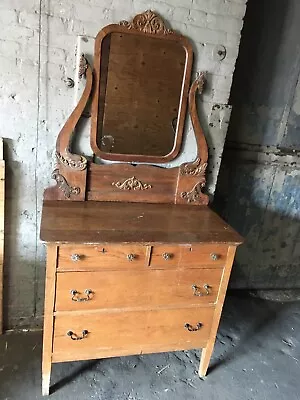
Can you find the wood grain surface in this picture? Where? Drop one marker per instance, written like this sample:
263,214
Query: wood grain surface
100,222
133,332
102,257
108,183
198,255
136,289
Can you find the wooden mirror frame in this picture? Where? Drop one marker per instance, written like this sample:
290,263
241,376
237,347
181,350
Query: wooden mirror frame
79,179
149,25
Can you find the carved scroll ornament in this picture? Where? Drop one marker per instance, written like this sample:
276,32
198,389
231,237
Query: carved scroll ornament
195,195
200,81
78,165
148,22
132,184
63,184
195,168
83,66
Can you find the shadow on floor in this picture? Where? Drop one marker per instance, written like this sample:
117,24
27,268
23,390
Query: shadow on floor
256,357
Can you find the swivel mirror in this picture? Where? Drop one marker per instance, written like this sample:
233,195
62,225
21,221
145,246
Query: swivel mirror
142,85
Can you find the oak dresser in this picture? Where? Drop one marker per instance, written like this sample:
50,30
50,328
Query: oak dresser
136,260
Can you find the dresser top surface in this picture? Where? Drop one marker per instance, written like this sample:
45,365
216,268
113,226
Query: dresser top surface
101,222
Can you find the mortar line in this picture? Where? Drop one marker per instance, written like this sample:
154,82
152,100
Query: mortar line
36,159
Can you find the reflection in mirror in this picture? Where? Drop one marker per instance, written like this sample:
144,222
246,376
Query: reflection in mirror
141,81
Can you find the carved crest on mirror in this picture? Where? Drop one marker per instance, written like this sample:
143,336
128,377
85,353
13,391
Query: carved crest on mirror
148,22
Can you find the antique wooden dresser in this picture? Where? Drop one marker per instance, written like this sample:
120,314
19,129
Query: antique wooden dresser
136,260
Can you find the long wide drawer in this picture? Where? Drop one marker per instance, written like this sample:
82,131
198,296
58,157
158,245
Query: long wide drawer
110,256
121,289
96,335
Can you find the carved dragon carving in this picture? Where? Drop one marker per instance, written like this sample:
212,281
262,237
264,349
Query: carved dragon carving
148,22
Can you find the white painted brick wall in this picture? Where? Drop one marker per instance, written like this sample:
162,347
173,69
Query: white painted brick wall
8,16
31,133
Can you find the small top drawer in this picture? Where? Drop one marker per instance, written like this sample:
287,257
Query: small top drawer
83,258
204,255
165,256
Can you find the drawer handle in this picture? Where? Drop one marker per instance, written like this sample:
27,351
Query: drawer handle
87,292
197,290
131,257
75,257
74,336
167,256
214,256
191,328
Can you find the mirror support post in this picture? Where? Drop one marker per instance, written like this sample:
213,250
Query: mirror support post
191,176
71,170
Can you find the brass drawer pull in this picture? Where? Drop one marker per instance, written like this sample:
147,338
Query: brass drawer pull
167,256
74,336
214,256
75,257
197,291
87,292
191,328
131,257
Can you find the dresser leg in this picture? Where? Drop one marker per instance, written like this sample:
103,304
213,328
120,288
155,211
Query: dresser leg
46,363
207,351
205,359
46,381
48,318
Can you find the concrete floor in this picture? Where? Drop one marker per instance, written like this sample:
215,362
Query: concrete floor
256,358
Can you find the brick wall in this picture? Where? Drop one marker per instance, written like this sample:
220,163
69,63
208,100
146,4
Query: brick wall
37,53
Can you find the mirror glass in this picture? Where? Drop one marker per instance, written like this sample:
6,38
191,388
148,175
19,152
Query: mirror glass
141,80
